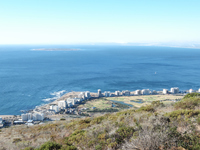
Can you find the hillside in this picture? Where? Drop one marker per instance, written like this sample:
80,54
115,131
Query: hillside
156,126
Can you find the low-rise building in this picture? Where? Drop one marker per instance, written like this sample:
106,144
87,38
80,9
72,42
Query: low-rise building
165,91
107,93
99,93
38,116
35,117
1,120
191,91
174,90
117,93
30,116
138,92
55,108
81,96
69,104
24,117
62,104
154,92
73,100
126,93
145,92
87,95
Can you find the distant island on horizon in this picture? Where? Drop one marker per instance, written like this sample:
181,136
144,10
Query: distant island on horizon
55,49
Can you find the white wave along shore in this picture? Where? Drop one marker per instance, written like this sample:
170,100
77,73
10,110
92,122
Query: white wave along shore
56,95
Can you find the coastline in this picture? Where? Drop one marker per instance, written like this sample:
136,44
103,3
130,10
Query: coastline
72,94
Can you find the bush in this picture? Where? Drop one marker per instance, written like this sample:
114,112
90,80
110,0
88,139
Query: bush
178,113
157,104
50,146
123,133
29,148
188,103
190,95
77,137
146,108
16,140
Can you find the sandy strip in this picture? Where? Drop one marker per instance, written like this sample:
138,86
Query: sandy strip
6,116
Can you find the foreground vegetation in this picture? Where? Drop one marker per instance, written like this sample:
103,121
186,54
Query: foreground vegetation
153,127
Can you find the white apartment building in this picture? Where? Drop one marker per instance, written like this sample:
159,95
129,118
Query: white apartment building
55,108
24,117
154,92
165,91
174,90
62,104
72,100
191,91
87,95
145,92
107,93
117,93
1,120
38,116
138,92
30,116
126,93
35,116
99,93
81,96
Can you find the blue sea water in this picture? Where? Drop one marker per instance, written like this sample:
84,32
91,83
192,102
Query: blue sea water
31,78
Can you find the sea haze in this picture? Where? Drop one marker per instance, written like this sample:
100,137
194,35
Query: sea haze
30,78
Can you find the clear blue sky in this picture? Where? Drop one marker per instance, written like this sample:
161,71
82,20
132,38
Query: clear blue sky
91,21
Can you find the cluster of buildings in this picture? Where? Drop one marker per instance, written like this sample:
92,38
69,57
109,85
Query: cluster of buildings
32,116
128,93
175,90
70,102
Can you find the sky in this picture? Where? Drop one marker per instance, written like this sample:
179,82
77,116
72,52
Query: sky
99,21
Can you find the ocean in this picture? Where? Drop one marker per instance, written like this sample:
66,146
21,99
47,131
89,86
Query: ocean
30,78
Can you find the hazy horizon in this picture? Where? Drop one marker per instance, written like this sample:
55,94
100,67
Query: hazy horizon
168,23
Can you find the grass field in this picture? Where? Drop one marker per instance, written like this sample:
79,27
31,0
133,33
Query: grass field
136,101
98,103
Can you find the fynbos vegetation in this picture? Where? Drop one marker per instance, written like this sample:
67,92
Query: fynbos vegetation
151,127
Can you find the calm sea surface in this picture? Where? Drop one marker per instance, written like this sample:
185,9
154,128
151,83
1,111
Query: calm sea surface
30,78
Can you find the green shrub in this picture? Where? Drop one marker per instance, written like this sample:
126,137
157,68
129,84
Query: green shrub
29,148
177,114
97,120
187,103
157,104
50,146
98,147
146,108
123,133
77,137
190,95
16,140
